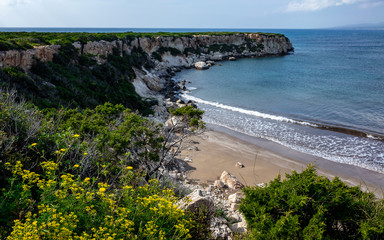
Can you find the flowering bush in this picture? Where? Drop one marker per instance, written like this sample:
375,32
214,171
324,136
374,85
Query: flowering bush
84,174
72,208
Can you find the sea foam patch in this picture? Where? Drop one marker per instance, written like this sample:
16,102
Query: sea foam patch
245,111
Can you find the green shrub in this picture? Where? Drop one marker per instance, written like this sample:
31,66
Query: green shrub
191,115
308,206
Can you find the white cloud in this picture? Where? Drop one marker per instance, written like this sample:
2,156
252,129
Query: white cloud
315,5
14,2
372,4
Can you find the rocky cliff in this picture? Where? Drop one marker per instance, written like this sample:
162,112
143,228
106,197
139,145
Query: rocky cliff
165,51
184,51
26,58
163,55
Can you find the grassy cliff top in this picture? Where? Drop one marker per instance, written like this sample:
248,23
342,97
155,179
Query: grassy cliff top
28,40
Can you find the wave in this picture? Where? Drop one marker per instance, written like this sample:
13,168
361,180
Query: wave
340,129
245,111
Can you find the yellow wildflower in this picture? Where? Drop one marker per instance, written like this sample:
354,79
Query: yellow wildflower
102,189
76,135
63,149
85,153
76,165
129,168
34,144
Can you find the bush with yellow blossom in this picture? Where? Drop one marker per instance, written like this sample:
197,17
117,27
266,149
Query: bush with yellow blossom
74,208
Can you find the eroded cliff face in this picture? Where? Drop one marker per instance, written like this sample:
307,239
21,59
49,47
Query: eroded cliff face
190,49
25,59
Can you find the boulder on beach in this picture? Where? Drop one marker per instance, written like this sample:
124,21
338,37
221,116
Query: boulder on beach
231,181
201,65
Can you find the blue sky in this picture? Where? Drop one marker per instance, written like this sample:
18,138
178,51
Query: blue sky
189,14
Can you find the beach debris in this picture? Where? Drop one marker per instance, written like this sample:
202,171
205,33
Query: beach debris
201,65
261,185
231,58
187,159
231,181
239,165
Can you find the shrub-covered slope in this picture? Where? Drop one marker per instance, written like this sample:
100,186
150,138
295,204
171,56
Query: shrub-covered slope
73,80
69,174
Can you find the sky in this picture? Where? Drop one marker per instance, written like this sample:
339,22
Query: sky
190,14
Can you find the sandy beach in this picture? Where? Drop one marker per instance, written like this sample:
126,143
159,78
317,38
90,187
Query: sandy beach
219,149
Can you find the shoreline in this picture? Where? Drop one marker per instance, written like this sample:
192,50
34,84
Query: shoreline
221,148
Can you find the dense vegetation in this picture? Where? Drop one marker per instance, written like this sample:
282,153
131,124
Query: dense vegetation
83,174
78,81
27,40
308,206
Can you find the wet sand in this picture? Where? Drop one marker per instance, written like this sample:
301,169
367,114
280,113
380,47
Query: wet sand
219,149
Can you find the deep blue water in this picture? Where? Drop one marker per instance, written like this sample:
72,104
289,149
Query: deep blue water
334,78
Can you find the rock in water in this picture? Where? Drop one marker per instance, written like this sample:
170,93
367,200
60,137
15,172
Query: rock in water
201,66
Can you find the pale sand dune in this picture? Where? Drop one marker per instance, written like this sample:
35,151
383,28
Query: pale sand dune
263,160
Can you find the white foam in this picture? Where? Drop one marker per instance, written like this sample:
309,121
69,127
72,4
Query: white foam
372,137
245,111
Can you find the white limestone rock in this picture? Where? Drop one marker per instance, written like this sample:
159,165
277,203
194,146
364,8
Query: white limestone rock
201,65
231,181
235,198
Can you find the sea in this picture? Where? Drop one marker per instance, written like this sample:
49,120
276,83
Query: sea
325,99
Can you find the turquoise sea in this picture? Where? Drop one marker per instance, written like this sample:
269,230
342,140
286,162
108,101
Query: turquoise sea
325,99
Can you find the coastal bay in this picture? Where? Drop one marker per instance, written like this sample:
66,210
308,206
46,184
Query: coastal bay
145,152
